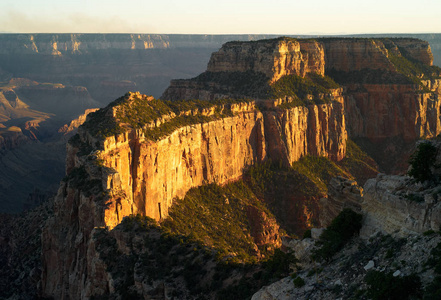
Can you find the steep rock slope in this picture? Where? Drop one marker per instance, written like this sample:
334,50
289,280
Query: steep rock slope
133,170
274,58
391,95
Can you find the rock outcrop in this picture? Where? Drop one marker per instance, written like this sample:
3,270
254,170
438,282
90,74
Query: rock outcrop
390,204
397,205
74,124
274,58
342,193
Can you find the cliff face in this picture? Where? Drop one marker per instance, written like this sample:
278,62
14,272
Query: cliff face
60,44
395,204
152,174
353,55
392,94
274,58
357,54
381,111
318,130
132,174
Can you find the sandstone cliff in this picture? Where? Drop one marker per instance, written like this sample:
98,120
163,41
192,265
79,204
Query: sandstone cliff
130,173
274,58
391,88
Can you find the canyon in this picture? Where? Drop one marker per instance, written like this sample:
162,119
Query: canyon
139,154
260,142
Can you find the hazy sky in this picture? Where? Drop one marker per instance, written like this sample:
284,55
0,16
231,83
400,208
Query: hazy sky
222,16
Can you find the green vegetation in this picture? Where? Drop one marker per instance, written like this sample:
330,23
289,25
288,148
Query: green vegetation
413,69
358,163
422,161
99,124
292,193
385,286
320,170
78,178
155,254
300,88
140,112
368,76
298,281
217,217
342,229
310,174
313,89
307,234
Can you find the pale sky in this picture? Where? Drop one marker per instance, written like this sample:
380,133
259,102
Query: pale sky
221,16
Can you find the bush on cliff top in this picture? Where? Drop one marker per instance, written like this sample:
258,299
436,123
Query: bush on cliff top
342,229
422,162
384,285
300,88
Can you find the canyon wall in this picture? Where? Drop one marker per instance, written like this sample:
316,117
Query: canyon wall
59,44
381,111
361,53
274,58
354,55
132,174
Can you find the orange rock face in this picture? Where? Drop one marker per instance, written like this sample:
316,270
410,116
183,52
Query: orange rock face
274,58
380,111
354,55
144,176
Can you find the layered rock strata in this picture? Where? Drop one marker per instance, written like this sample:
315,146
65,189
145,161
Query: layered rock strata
397,205
274,58
133,174
380,101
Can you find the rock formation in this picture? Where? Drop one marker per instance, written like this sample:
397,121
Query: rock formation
397,205
274,58
342,193
139,154
391,204
74,124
